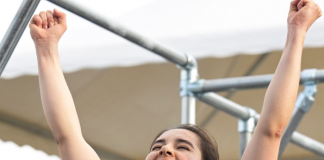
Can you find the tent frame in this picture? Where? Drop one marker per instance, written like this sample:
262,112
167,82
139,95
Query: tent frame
191,88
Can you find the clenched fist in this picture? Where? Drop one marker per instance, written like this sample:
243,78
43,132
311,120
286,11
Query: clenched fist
48,27
303,13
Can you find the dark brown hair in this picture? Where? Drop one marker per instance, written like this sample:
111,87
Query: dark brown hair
207,144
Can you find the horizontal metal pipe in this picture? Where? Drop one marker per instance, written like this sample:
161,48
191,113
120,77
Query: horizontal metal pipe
248,82
319,76
225,105
15,30
172,55
307,143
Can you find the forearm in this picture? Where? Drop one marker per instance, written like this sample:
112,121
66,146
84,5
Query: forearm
56,98
282,92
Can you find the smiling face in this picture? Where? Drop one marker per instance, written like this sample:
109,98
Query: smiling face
176,144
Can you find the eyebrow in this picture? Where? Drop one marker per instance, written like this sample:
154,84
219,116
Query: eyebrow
159,141
185,141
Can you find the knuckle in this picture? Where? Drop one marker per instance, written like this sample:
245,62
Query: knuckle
50,17
38,18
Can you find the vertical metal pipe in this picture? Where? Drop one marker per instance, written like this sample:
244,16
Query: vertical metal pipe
188,107
15,30
188,110
245,138
246,129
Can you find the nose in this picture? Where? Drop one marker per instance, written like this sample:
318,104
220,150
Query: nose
166,151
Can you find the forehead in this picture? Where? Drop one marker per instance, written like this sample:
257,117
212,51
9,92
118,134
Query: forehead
174,134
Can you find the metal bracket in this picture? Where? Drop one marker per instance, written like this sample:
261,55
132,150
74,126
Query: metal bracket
191,63
189,75
249,124
308,76
307,96
196,86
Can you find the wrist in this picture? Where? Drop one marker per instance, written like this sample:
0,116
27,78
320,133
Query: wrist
44,42
47,51
295,38
297,29
296,33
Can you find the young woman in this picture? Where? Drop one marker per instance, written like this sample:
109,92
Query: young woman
185,142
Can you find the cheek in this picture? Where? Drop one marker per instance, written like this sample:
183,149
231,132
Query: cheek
187,156
151,156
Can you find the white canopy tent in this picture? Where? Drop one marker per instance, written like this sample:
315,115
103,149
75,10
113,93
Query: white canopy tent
11,151
203,29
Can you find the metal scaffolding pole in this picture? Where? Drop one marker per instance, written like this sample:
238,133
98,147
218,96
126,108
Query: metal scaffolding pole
248,82
319,76
188,108
246,129
307,143
172,55
15,30
241,112
225,105
304,102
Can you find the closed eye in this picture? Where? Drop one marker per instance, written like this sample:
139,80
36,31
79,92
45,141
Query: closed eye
155,148
182,147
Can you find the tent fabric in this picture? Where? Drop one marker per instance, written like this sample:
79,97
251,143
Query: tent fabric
9,151
121,109
201,28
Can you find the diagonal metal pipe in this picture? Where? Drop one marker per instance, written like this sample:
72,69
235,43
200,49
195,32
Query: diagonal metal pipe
15,30
170,54
307,143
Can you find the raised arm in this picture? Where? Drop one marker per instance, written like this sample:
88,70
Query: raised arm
46,28
281,95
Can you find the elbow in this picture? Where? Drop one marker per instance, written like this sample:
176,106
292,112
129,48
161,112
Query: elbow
66,138
275,132
59,139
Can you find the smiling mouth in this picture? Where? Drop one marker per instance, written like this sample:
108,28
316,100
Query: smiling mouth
164,158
